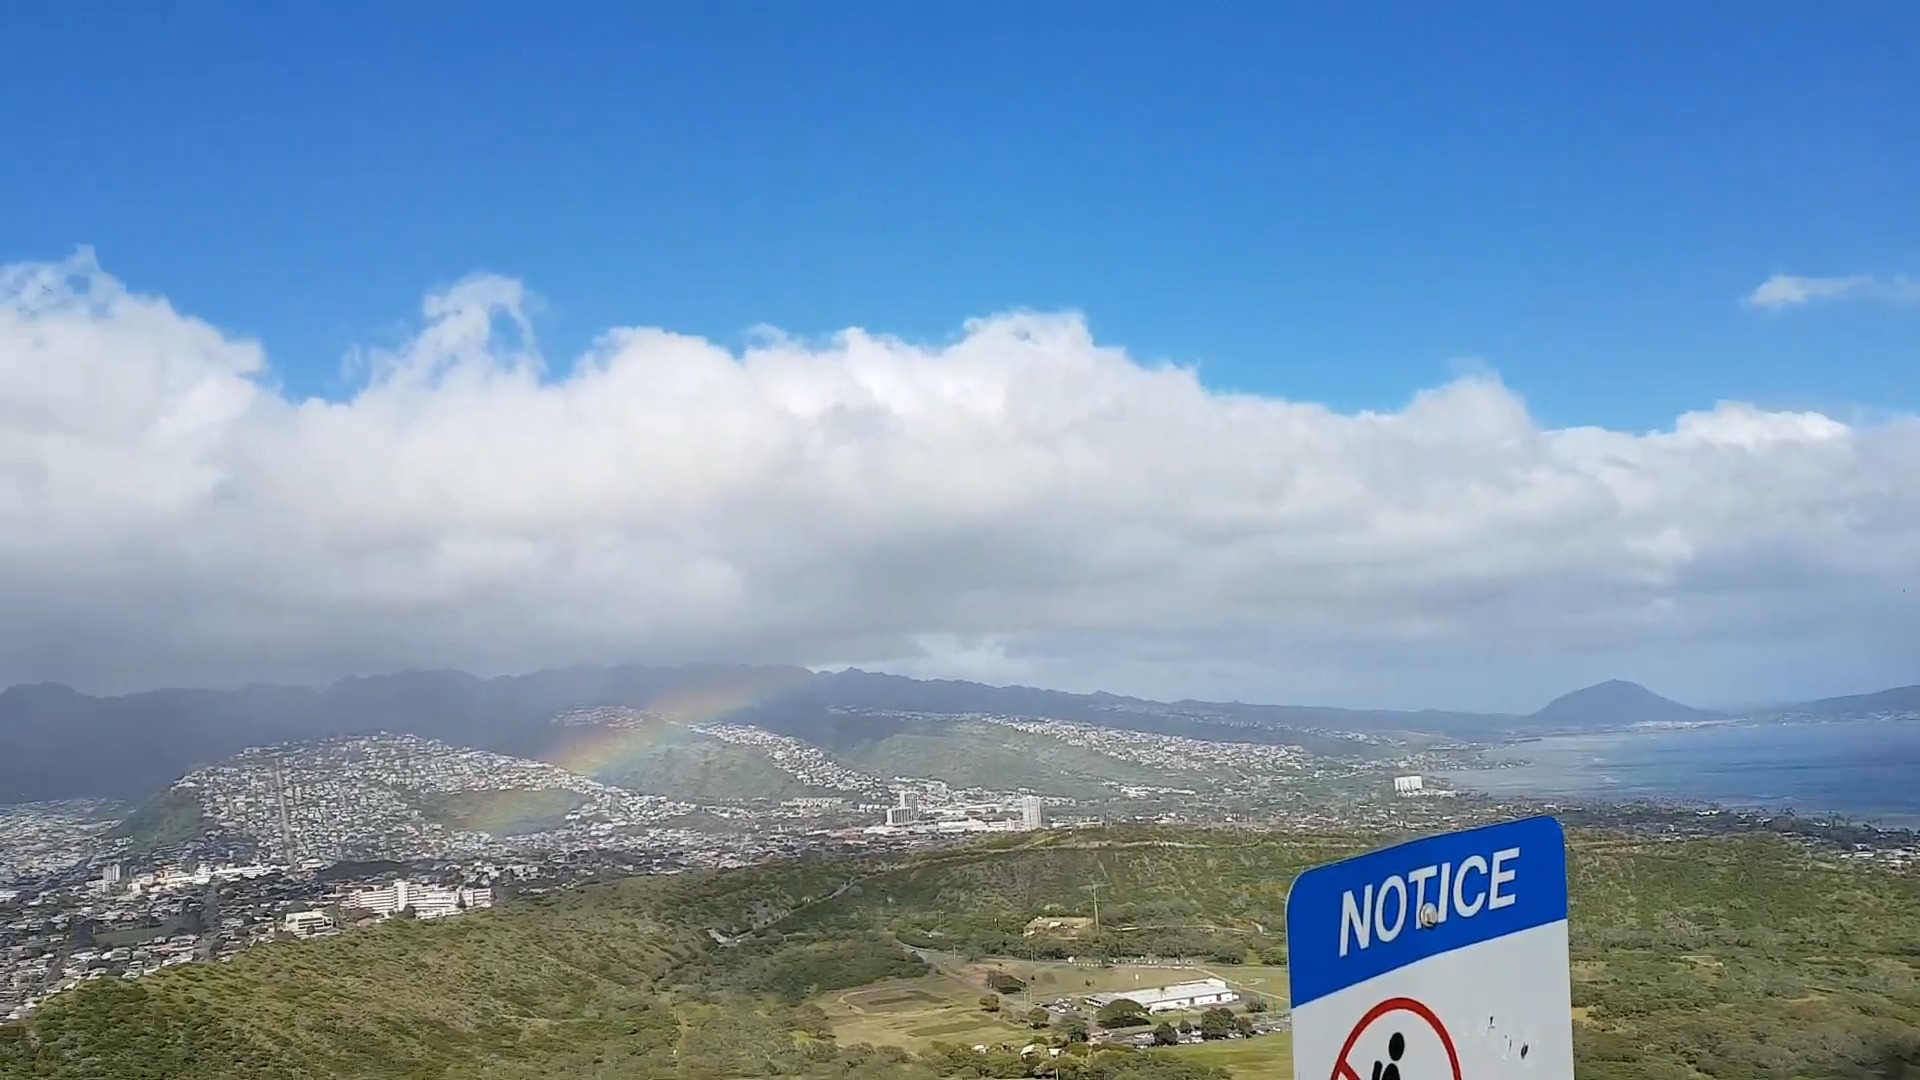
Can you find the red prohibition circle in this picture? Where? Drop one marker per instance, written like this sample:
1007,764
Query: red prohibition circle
1343,1071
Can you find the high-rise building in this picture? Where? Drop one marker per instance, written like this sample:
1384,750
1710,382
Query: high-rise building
1033,813
905,809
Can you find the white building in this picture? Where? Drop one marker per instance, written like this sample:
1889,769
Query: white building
248,872
1407,785
1033,813
306,923
905,809
427,901
1204,994
170,878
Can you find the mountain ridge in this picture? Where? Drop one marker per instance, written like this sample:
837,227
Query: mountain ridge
58,742
1894,699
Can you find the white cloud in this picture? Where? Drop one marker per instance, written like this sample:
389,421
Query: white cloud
1789,290
1022,501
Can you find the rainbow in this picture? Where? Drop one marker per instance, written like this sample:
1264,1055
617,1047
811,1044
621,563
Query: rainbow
601,750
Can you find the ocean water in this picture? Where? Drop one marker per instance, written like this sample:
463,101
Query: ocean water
1868,770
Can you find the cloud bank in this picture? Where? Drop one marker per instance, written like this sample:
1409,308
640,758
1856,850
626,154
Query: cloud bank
1020,504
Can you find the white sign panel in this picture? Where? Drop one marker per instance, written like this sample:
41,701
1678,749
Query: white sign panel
1440,959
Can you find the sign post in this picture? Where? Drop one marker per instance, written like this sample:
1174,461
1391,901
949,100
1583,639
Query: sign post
1439,959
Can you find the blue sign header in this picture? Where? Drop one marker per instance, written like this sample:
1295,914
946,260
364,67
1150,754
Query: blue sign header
1354,920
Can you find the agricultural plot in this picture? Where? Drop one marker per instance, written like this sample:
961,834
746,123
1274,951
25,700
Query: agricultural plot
915,1012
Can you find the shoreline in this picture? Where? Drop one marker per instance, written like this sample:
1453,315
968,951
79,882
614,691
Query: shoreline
1897,827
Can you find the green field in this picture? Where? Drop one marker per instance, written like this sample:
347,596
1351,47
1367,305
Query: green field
1743,959
1262,1056
912,1013
945,1005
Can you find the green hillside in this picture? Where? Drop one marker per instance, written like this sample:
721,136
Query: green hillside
974,754
171,818
566,984
677,762
683,764
1737,958
504,813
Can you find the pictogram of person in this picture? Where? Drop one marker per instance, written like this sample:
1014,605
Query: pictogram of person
1390,1069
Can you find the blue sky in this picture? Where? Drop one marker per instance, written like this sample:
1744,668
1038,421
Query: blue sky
1330,204
1340,205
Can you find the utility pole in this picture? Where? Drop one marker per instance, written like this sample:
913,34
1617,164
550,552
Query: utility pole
1095,890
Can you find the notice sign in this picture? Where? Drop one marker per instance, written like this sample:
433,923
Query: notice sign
1440,959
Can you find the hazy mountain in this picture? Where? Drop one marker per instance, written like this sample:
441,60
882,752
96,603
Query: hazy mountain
1900,699
846,709
56,742
1614,703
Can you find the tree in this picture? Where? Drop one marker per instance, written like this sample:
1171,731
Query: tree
1074,1029
1122,1012
1256,1005
1164,1035
1005,983
990,1003
1038,1018
1002,1061
1216,1023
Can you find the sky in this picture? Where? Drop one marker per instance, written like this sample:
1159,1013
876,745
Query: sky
1368,354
